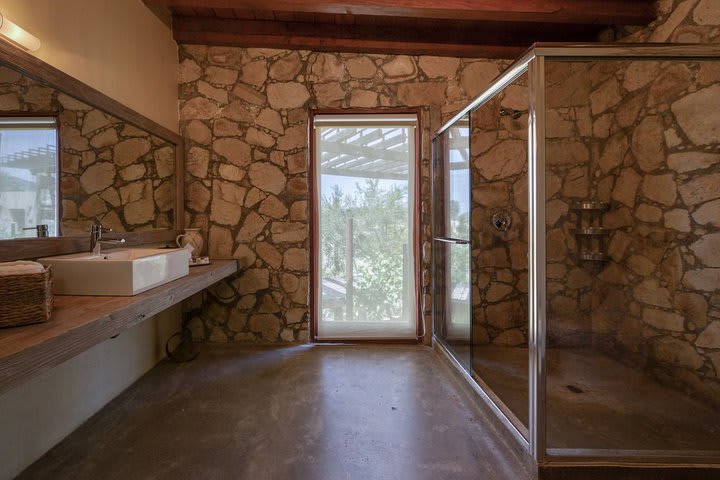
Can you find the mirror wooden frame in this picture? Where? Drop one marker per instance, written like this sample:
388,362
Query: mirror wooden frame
37,69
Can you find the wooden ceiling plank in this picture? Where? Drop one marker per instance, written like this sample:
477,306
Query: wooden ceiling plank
201,11
607,12
349,45
224,13
182,11
243,14
351,38
478,32
306,17
263,14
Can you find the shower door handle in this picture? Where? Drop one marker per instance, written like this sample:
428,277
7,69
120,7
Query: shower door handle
455,241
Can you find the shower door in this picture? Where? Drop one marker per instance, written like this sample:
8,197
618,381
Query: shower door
480,248
499,206
451,241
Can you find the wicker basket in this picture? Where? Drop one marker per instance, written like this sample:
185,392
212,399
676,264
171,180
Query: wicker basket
25,299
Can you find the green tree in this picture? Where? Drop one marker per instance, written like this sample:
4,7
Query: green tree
460,254
380,238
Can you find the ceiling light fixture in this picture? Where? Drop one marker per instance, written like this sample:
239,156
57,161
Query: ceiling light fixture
18,36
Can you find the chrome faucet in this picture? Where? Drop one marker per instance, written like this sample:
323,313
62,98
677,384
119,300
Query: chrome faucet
41,230
96,240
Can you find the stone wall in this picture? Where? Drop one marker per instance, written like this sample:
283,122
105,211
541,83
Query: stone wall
110,171
679,21
642,136
568,171
499,183
653,154
669,114
244,115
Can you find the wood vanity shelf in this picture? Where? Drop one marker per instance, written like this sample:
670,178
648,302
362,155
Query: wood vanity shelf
589,233
81,322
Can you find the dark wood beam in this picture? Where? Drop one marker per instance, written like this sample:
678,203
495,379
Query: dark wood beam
605,12
484,39
162,13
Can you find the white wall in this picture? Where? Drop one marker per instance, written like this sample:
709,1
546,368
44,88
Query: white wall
116,46
39,413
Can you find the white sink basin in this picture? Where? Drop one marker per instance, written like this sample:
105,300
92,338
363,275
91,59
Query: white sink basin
121,272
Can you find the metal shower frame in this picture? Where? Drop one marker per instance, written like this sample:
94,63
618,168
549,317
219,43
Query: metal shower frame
534,438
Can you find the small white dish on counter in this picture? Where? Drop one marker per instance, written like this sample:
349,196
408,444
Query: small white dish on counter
195,261
120,272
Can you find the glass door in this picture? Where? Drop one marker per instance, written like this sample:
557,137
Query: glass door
499,179
451,241
365,286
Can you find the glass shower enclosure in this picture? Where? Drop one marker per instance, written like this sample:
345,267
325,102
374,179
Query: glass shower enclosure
576,252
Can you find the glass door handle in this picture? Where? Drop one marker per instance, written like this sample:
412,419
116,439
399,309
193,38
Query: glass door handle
456,241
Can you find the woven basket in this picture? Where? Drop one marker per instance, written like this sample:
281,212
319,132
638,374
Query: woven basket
25,299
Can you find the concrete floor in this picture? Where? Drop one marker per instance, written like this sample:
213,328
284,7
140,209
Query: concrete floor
616,407
305,412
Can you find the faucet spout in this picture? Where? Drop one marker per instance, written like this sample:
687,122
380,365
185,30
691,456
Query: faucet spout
96,231
98,246
96,239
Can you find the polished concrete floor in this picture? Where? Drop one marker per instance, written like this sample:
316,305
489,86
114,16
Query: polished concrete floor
305,412
596,402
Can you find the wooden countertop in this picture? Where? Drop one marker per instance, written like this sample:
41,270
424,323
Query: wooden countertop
80,322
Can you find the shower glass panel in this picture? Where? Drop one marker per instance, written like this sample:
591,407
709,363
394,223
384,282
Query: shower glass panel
632,221
451,240
499,164
593,179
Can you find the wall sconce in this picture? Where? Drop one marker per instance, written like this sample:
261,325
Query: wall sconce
18,36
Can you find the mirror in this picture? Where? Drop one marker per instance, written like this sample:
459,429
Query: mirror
67,165
28,176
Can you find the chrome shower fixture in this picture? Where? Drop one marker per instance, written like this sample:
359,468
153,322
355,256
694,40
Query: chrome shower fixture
510,112
502,220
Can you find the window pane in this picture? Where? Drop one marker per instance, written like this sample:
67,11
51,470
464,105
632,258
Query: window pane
366,270
28,180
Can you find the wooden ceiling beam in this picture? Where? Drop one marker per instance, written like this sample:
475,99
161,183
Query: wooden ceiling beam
334,45
604,12
482,40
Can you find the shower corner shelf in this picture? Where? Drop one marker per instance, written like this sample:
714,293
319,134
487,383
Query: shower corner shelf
592,257
590,206
590,233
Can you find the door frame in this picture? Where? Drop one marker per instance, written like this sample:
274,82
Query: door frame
314,215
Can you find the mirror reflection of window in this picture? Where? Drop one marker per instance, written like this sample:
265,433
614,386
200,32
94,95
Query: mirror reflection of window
29,176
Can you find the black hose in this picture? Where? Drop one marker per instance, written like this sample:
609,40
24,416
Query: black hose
185,350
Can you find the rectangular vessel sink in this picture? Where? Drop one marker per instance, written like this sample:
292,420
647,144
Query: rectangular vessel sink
121,272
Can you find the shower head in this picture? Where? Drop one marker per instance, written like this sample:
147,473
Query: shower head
512,113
